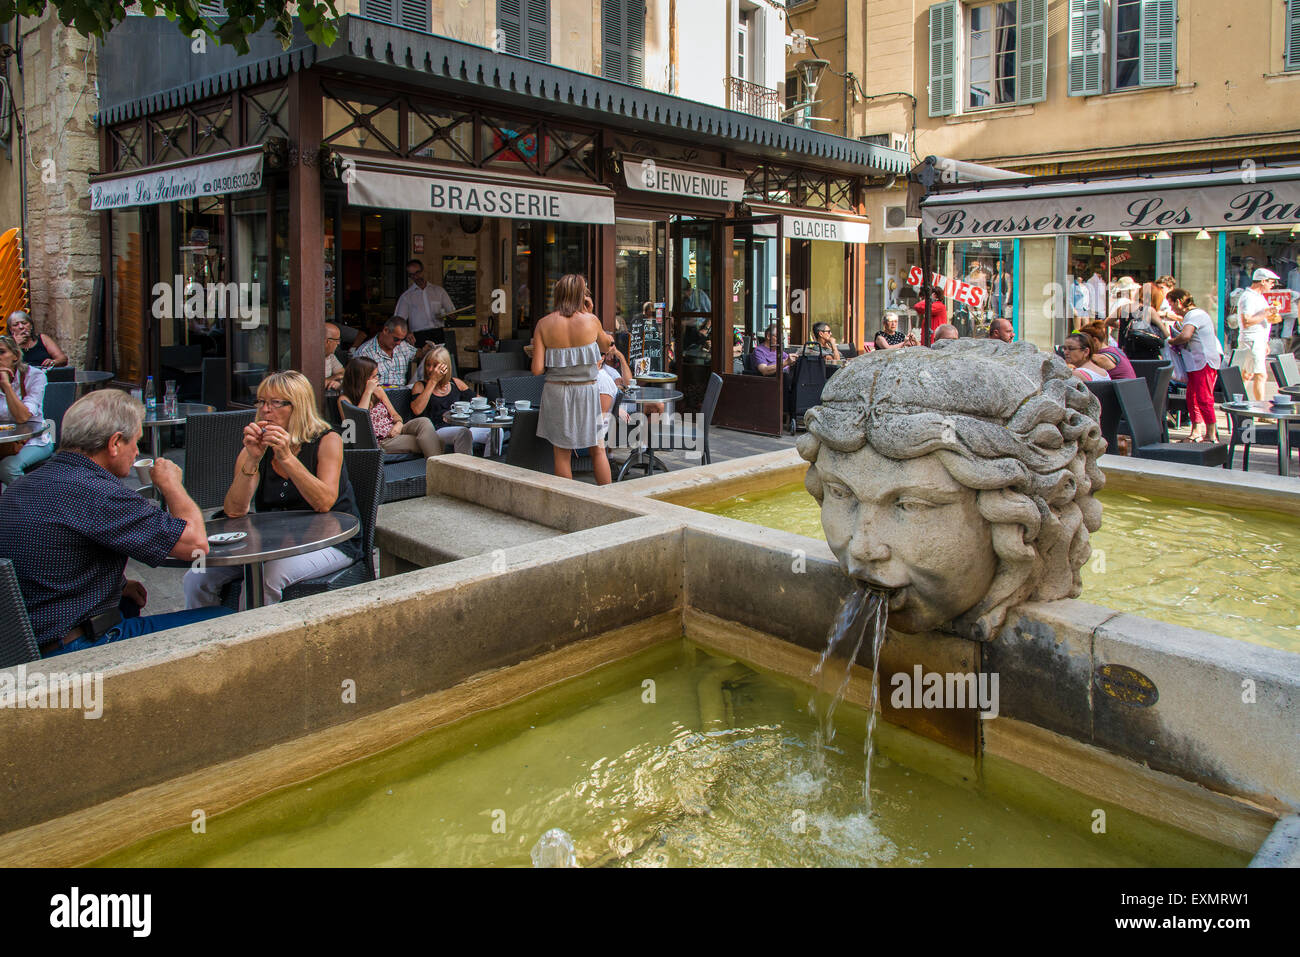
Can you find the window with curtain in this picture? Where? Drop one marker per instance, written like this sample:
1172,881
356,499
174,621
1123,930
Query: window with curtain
992,59
1126,44
1002,60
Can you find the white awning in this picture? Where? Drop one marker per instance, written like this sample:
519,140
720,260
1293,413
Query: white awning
672,179
231,172
1232,200
821,224
470,192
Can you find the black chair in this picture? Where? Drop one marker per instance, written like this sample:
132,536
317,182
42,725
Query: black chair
213,441
1157,374
61,374
749,366
59,397
527,449
1135,400
806,385
366,473
523,387
1104,390
401,401
214,390
404,472
501,361
1233,384
1285,372
512,346
17,640
685,438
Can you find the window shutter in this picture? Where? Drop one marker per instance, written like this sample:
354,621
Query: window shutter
943,58
378,10
1156,40
1031,50
413,14
1293,34
1087,47
510,27
212,9
537,31
623,40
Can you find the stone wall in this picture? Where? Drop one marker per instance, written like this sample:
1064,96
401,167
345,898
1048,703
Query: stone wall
62,235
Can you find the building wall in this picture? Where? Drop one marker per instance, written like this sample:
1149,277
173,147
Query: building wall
11,154
62,239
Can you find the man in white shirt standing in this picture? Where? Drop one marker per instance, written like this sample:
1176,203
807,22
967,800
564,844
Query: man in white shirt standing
1255,315
423,305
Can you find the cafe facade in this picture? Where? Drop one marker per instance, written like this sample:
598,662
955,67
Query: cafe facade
250,200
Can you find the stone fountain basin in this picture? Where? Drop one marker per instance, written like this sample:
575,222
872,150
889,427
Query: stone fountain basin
502,581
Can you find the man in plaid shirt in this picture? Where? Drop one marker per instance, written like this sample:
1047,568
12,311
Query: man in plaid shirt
390,351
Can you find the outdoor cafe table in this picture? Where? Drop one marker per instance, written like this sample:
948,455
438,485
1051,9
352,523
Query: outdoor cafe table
92,376
492,423
157,418
21,433
272,535
644,457
1264,410
1291,390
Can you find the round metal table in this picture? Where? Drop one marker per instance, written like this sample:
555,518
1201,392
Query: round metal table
157,418
10,432
1264,410
656,379
1291,390
644,457
273,535
492,423
92,377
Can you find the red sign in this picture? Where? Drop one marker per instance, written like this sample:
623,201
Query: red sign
1281,298
966,292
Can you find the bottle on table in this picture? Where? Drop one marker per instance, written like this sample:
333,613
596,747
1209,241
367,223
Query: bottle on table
150,397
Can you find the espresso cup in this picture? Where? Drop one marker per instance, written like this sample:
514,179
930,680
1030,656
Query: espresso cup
1238,397
478,402
144,470
523,404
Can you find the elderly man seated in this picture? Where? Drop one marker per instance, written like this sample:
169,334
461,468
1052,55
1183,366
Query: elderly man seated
390,351
70,527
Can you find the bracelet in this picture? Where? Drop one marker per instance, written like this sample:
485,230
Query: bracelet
250,474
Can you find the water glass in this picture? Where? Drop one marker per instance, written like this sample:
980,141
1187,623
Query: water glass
138,395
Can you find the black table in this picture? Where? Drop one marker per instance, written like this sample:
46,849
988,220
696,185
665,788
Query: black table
273,535
92,377
1264,410
644,457
10,432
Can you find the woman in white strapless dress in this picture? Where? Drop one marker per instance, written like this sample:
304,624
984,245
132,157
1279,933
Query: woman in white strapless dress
568,345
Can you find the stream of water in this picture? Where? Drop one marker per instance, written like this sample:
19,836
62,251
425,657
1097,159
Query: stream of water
864,610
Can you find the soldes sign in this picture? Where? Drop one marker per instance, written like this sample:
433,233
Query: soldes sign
969,293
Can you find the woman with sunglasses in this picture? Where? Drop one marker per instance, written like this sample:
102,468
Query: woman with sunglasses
291,461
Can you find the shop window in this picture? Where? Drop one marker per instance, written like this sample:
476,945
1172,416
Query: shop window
266,115
440,134
170,136
1274,249
128,146
524,28
191,244
622,40
365,121
1003,59
129,306
827,287
988,265
371,261
510,143
250,349
212,129
564,251
1132,39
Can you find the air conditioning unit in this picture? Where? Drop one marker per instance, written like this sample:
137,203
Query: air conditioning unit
893,141
896,218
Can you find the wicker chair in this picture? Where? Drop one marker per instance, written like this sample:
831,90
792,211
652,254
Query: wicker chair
17,640
523,387
366,473
527,449
212,443
404,472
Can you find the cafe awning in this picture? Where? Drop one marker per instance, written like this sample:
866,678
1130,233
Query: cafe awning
213,175
1265,196
471,192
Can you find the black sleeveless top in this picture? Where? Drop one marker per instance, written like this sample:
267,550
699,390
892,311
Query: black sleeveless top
37,354
440,405
277,494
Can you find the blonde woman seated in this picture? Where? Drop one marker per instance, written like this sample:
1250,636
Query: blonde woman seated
433,399
361,388
291,461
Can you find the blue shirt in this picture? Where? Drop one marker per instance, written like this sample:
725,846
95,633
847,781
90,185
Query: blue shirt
69,528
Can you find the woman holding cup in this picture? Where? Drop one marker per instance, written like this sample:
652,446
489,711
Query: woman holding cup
434,397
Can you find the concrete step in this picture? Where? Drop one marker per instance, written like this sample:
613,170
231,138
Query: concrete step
436,529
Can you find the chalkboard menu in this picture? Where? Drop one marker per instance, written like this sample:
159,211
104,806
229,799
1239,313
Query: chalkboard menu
646,351
460,279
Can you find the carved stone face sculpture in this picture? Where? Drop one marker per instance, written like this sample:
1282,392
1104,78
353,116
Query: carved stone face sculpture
959,478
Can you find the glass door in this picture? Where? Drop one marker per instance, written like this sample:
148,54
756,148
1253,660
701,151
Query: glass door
750,400
689,336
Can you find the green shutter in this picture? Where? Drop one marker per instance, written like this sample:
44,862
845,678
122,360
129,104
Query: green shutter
537,31
413,14
622,40
943,58
1087,47
1158,26
1293,34
510,28
381,10
1031,50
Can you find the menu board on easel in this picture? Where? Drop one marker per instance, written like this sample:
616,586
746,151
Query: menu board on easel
460,279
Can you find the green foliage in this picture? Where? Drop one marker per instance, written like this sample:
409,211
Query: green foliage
242,18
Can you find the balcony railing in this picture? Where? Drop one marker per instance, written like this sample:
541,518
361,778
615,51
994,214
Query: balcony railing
753,99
